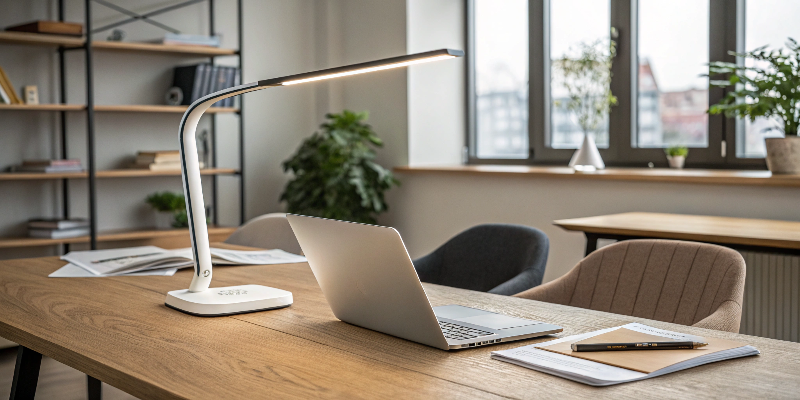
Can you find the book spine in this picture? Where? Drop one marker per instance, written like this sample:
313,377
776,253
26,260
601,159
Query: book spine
197,84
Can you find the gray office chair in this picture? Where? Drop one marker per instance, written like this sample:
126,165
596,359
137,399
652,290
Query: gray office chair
495,258
269,231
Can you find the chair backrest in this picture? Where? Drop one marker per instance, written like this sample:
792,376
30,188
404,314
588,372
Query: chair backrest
269,231
666,280
496,258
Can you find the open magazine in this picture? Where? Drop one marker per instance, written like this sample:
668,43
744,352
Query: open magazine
613,367
137,260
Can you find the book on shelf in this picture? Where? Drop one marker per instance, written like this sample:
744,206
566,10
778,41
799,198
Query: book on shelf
190,40
49,27
49,166
58,233
605,368
198,80
150,258
57,223
166,156
8,88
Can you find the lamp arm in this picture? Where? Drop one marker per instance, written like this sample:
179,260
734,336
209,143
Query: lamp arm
192,185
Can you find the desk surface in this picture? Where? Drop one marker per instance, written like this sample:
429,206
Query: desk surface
119,331
726,230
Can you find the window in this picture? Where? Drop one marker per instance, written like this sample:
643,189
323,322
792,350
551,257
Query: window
501,78
766,22
673,54
517,93
568,32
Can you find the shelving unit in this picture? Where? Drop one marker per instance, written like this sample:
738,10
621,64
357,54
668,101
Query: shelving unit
64,44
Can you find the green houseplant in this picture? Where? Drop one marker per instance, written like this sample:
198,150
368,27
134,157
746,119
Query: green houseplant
170,209
587,79
676,156
335,175
770,88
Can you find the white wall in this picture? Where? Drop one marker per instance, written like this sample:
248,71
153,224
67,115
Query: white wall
430,208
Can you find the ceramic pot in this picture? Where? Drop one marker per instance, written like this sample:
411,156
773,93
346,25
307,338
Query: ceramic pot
783,155
676,161
163,219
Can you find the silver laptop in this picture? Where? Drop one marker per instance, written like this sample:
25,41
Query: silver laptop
369,281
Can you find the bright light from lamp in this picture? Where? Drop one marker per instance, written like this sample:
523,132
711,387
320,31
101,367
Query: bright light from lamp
369,69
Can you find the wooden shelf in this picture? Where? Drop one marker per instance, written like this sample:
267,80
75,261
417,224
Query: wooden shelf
39,39
696,176
163,48
113,173
110,236
158,109
42,107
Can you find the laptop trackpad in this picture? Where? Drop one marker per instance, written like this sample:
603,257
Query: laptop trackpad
497,321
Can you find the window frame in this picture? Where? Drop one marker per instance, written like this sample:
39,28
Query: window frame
726,31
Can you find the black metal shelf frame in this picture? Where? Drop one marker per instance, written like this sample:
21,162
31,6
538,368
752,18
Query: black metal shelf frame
90,112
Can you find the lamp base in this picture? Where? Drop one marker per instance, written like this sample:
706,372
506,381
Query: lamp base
216,302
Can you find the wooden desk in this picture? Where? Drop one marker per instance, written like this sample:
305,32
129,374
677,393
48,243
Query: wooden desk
737,233
119,331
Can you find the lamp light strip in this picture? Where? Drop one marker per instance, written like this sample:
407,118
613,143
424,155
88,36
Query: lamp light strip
369,69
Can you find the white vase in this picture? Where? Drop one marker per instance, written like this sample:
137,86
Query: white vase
676,161
163,219
587,157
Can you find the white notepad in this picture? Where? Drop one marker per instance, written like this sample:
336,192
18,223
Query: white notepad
598,374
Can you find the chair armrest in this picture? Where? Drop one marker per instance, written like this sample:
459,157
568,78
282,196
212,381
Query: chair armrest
727,317
525,280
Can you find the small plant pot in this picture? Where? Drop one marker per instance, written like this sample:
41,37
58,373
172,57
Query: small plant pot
783,155
163,219
676,161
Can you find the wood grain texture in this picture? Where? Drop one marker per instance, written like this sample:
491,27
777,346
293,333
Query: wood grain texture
148,108
114,236
726,230
39,39
42,107
699,176
111,173
118,330
163,48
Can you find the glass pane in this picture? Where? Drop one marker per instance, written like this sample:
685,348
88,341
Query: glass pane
767,22
574,24
673,53
501,78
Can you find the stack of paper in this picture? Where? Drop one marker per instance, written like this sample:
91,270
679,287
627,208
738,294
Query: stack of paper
151,260
613,367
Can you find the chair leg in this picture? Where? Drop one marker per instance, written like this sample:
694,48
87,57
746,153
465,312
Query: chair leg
94,388
26,374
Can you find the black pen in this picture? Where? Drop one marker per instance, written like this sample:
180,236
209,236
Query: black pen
636,346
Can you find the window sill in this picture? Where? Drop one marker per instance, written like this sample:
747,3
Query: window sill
703,176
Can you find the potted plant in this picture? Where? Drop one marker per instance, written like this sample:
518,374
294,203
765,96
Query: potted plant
170,210
676,156
587,80
767,89
335,175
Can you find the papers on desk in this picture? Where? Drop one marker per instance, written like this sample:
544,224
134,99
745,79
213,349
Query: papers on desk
595,369
151,260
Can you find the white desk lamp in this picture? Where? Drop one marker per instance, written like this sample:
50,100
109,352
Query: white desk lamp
198,299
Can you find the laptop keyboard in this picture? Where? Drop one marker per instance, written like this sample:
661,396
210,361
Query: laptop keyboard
461,332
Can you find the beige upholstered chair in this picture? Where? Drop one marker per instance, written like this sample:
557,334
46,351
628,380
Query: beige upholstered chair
269,231
685,283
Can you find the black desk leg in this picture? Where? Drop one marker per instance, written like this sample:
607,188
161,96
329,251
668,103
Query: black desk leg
26,374
94,388
591,243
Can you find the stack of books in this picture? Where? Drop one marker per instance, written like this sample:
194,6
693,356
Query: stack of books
191,40
169,160
49,166
196,81
56,228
